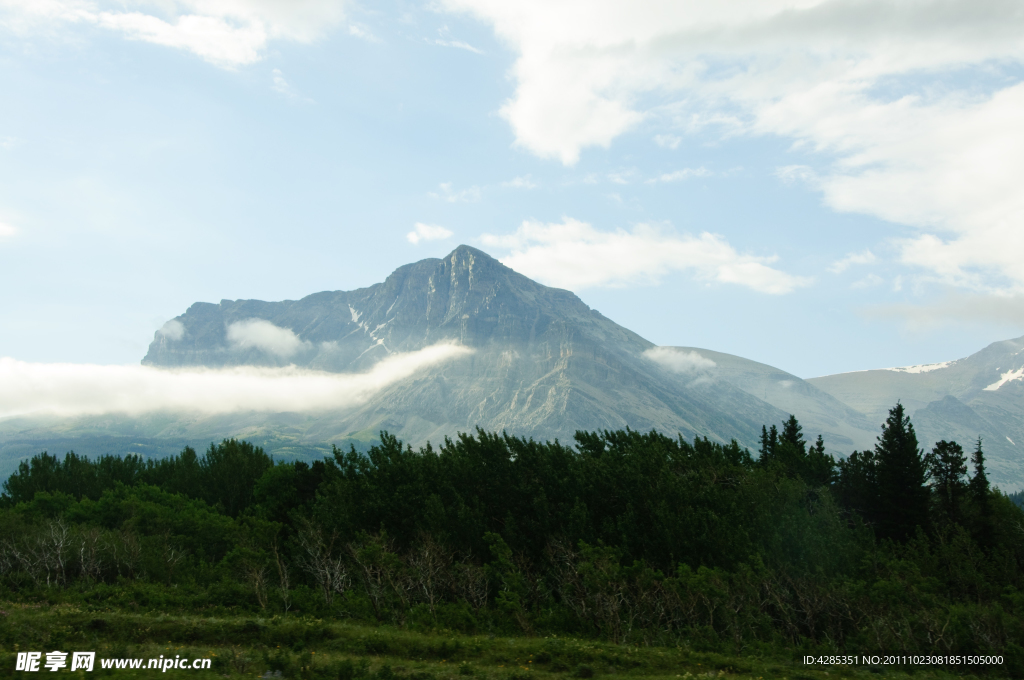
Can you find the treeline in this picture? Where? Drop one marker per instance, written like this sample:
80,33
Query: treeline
633,537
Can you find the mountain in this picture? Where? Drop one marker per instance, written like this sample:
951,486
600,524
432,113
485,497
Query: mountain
538,363
543,364
978,396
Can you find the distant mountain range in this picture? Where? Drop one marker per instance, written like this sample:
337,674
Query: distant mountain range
979,396
543,365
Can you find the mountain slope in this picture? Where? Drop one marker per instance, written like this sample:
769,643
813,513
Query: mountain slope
844,429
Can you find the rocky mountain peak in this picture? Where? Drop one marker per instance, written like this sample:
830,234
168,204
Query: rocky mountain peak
467,297
543,364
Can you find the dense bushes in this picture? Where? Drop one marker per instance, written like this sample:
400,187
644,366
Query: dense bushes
625,536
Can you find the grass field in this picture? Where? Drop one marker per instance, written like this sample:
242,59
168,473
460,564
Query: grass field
300,647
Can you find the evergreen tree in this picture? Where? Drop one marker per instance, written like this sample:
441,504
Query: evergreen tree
979,492
787,452
948,469
901,474
820,468
769,445
791,450
857,485
792,434
229,472
979,482
41,473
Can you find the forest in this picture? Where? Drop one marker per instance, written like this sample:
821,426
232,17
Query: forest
630,540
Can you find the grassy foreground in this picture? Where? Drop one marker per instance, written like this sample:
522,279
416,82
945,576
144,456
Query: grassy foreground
304,647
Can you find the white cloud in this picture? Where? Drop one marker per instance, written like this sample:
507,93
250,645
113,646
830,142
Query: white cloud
25,16
913,107
840,266
791,174
446,40
173,330
524,182
281,85
215,39
668,141
87,389
450,195
7,231
869,281
263,335
458,44
360,31
679,361
622,176
574,255
427,232
227,33
680,175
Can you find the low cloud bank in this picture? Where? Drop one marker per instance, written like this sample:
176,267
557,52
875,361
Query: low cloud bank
90,389
679,361
264,335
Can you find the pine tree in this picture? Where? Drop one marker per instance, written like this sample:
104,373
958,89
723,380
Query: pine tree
791,452
857,485
792,433
948,468
979,492
902,474
820,468
769,445
979,482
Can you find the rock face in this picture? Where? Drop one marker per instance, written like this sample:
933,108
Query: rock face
979,396
544,365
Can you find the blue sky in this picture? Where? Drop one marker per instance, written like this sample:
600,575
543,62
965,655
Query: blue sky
821,186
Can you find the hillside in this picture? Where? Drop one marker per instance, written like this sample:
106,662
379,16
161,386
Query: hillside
843,428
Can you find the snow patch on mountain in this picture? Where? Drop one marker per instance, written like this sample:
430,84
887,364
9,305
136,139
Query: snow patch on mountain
920,368
1014,374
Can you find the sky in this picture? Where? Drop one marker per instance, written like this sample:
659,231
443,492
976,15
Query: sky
820,186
